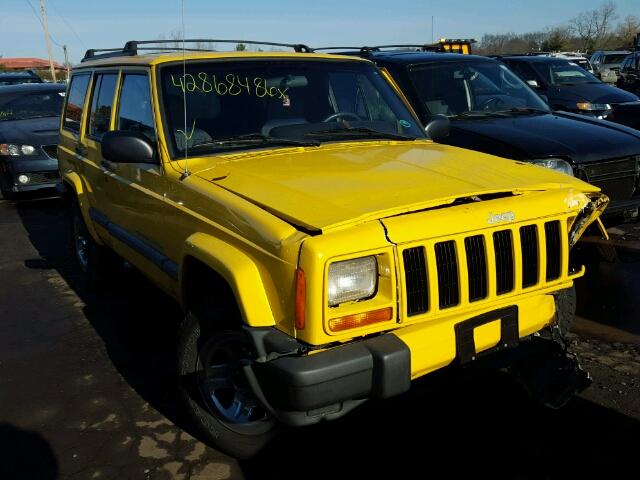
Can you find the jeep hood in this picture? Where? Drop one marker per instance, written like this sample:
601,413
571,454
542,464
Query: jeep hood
335,185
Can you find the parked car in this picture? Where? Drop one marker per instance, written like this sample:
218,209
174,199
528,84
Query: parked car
491,110
570,88
18,77
629,75
29,122
606,64
323,249
576,58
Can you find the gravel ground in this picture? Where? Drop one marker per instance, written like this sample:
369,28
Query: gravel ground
86,391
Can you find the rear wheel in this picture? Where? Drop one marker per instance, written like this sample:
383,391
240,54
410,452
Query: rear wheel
215,391
95,261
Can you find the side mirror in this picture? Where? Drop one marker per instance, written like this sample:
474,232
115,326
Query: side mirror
545,98
438,127
124,146
533,83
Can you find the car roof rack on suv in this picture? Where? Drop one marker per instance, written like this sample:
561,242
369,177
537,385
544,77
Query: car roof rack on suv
444,45
132,47
377,48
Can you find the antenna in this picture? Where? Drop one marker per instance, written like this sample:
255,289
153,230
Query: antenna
186,171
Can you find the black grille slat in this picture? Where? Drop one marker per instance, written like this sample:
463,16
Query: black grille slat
415,273
616,178
503,248
530,261
51,150
476,267
447,266
554,249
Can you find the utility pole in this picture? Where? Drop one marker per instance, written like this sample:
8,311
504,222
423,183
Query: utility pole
431,28
45,26
66,60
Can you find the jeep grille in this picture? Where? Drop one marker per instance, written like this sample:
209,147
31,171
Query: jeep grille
431,270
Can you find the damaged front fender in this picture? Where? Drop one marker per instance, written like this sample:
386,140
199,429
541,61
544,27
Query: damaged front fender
593,207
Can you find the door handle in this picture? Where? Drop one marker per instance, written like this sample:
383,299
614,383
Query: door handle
108,165
81,150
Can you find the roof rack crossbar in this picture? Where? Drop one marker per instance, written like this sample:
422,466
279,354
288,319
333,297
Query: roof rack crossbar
367,49
132,46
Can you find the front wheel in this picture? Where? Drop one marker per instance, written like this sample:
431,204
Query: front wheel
215,391
566,308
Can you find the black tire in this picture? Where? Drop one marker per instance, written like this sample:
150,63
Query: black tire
197,341
6,195
566,308
96,263
607,252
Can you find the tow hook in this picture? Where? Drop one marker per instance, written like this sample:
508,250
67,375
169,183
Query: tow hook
551,373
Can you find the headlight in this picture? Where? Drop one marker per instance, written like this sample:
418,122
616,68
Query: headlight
15,150
352,280
589,107
555,164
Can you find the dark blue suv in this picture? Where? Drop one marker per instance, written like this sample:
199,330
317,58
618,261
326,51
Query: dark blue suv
492,110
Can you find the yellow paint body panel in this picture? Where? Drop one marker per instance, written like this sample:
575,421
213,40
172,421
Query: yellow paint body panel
433,344
254,217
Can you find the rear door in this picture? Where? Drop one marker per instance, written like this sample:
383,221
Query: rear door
71,152
98,122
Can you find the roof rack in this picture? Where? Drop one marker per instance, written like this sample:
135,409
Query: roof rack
446,45
132,47
377,48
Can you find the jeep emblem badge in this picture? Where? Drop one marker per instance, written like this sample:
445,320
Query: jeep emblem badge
501,217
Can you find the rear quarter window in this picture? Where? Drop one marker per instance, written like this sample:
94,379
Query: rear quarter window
75,102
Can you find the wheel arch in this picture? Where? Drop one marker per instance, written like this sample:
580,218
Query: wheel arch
231,271
74,191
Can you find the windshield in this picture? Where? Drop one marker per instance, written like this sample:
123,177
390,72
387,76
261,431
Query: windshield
614,59
477,88
20,106
563,72
245,104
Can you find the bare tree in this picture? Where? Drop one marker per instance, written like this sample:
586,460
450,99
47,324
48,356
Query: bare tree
557,39
594,27
627,29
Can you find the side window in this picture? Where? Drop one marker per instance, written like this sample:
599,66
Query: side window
104,87
354,93
75,102
525,72
135,112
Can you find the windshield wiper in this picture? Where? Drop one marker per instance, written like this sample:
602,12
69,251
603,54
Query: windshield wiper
478,114
522,110
256,139
357,132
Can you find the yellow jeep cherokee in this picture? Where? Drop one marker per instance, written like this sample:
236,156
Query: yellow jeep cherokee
324,250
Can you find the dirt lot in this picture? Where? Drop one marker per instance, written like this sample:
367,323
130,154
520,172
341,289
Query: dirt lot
86,388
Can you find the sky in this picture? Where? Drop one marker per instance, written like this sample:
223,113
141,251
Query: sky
82,24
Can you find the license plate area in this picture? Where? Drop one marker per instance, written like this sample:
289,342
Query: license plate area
509,333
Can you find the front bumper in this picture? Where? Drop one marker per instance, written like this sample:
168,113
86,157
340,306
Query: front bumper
304,389
41,173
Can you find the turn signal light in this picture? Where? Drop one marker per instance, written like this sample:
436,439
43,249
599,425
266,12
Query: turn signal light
360,319
301,297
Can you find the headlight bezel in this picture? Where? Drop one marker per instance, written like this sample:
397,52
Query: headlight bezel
593,107
553,163
363,269
17,150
